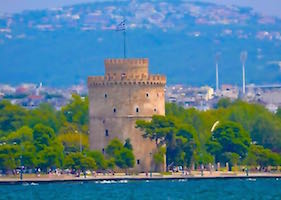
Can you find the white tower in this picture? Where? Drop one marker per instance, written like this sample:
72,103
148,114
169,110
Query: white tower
243,58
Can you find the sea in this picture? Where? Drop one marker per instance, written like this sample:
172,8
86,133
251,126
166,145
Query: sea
261,188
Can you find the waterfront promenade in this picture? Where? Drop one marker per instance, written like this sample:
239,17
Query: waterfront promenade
119,177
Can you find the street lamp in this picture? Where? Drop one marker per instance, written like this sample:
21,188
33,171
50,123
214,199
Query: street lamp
214,126
150,154
21,166
80,140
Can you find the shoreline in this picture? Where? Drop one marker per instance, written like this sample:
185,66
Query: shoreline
100,178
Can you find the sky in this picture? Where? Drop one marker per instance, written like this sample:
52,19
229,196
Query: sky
266,7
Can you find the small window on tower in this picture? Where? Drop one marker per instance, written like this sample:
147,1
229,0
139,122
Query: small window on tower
138,161
114,110
106,133
103,151
147,95
137,110
155,109
123,75
105,96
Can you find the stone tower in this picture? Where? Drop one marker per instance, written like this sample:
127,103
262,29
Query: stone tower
125,94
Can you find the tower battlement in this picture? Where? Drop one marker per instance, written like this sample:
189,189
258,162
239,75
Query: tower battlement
131,61
120,68
150,80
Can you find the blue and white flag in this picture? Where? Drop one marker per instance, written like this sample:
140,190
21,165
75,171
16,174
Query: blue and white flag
121,26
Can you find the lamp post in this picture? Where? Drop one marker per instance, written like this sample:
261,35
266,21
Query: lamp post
21,166
150,154
80,141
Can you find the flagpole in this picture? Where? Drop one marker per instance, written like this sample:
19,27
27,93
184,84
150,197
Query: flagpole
122,27
124,34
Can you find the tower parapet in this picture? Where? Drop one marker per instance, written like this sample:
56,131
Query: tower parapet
133,80
119,69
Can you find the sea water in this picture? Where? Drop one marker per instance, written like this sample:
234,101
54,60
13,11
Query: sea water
161,189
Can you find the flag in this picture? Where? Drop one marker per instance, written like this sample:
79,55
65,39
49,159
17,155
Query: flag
121,26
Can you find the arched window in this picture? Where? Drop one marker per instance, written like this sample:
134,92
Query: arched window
105,96
155,109
114,110
137,110
106,132
147,95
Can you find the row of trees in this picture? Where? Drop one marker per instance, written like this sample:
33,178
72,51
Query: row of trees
244,133
45,138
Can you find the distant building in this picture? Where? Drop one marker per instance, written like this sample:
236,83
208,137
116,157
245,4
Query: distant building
124,95
207,93
7,89
229,91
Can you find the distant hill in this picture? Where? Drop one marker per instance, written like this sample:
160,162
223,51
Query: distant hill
63,46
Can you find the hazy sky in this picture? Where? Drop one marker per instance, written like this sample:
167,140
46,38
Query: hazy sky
268,7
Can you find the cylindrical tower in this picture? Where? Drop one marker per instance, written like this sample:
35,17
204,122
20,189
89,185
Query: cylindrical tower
125,94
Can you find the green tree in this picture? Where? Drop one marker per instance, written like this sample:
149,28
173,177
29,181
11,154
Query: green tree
114,147
12,117
45,114
128,144
28,155
23,141
228,141
223,103
71,141
180,139
77,111
157,129
42,136
23,134
78,161
8,157
159,156
99,159
123,157
262,157
49,149
50,157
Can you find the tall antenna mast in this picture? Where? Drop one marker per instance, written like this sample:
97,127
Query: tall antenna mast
217,71
122,27
243,58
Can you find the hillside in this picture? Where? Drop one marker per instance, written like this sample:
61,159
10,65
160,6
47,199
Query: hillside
62,46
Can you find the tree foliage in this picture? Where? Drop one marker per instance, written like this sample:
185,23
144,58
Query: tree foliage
78,161
180,139
229,141
123,156
46,138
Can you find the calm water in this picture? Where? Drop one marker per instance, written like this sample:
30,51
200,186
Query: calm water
190,189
